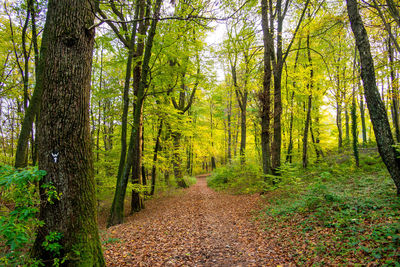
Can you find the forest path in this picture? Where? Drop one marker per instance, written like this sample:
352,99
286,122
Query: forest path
199,227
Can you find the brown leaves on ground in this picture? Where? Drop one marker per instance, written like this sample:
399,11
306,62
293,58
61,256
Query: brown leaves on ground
198,228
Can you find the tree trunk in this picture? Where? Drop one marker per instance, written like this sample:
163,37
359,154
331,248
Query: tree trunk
290,146
394,92
229,115
34,104
64,136
243,127
354,130
117,212
347,123
339,124
137,200
376,107
309,105
265,95
157,148
305,135
362,115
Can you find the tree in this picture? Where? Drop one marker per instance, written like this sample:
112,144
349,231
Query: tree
265,95
377,111
32,110
117,210
69,215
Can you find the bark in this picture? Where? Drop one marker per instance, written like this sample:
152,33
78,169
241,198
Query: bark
64,136
265,95
376,107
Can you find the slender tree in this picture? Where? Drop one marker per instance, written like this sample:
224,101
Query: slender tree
376,108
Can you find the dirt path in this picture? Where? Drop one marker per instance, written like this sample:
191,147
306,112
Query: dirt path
197,228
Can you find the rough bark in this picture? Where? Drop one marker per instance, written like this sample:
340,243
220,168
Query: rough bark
64,136
265,95
376,107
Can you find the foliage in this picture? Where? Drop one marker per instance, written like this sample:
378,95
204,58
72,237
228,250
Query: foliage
19,207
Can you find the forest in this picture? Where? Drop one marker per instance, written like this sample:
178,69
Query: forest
199,133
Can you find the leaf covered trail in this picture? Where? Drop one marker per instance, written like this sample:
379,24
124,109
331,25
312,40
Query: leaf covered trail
200,227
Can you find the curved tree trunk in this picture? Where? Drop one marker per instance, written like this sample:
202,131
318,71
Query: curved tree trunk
376,107
64,136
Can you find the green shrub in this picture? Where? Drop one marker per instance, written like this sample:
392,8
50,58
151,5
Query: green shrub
242,179
190,180
20,205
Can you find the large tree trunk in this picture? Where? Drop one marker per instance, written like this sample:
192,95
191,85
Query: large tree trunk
64,136
265,95
376,107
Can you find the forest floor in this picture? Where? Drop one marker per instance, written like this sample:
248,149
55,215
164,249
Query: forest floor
198,227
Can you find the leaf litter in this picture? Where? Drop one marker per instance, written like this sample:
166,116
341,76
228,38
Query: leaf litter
200,227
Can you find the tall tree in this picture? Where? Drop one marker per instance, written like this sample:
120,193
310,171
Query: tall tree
278,60
377,111
64,136
117,211
32,109
265,95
